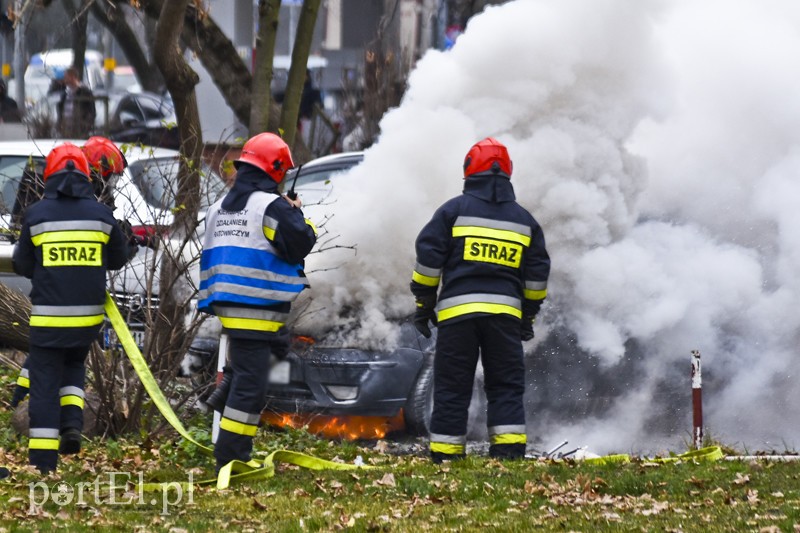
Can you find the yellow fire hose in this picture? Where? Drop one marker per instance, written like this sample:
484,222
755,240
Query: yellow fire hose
233,471
710,453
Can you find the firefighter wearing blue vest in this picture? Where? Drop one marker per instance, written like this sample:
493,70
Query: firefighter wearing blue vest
489,254
67,242
251,269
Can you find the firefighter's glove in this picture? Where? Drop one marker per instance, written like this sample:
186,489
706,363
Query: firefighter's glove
526,328
127,231
425,313
130,237
280,344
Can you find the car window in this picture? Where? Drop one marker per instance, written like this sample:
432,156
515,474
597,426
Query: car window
152,109
129,110
158,183
12,169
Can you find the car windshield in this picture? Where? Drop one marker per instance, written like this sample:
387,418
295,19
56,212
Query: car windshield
156,179
312,176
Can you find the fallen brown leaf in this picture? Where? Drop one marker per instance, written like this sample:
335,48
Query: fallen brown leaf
741,479
258,505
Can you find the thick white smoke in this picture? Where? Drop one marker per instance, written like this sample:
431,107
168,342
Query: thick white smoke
658,144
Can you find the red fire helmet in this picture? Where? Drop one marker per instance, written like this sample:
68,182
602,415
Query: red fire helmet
104,157
66,158
485,155
268,152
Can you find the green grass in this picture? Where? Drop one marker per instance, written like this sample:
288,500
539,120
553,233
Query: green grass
405,493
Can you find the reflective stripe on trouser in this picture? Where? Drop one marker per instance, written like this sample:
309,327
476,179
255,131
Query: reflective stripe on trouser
508,435
51,370
239,422
249,363
43,438
496,339
24,378
507,442
448,444
71,395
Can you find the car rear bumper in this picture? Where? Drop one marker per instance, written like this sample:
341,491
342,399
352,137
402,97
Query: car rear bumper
343,381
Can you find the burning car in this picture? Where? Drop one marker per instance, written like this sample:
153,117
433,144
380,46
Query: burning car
339,391
316,385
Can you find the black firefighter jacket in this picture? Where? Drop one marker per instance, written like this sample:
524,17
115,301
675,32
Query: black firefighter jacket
67,242
487,251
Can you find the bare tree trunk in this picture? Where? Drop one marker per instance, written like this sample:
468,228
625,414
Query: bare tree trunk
15,315
216,51
79,21
168,335
298,70
112,16
181,81
261,101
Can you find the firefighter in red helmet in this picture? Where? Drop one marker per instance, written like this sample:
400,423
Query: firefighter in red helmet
251,269
67,242
106,160
488,253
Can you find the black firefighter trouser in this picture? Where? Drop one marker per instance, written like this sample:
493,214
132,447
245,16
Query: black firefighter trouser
496,340
57,378
249,363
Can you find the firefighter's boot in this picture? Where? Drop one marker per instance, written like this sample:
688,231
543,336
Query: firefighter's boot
70,442
19,394
220,395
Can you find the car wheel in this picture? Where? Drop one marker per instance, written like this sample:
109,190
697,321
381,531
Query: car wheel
419,405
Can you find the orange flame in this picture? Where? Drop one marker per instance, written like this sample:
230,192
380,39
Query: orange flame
338,427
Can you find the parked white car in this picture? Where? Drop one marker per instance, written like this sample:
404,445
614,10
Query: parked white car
144,194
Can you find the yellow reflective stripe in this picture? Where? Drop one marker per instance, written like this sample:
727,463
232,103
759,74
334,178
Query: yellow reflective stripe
503,234
269,233
478,307
43,444
510,438
253,324
449,449
65,321
535,295
70,236
237,427
312,225
422,279
22,381
77,401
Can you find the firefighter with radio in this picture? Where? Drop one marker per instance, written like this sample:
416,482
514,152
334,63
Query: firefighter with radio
489,254
67,242
251,269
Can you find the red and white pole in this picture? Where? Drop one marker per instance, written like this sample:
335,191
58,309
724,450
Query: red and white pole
222,359
697,400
